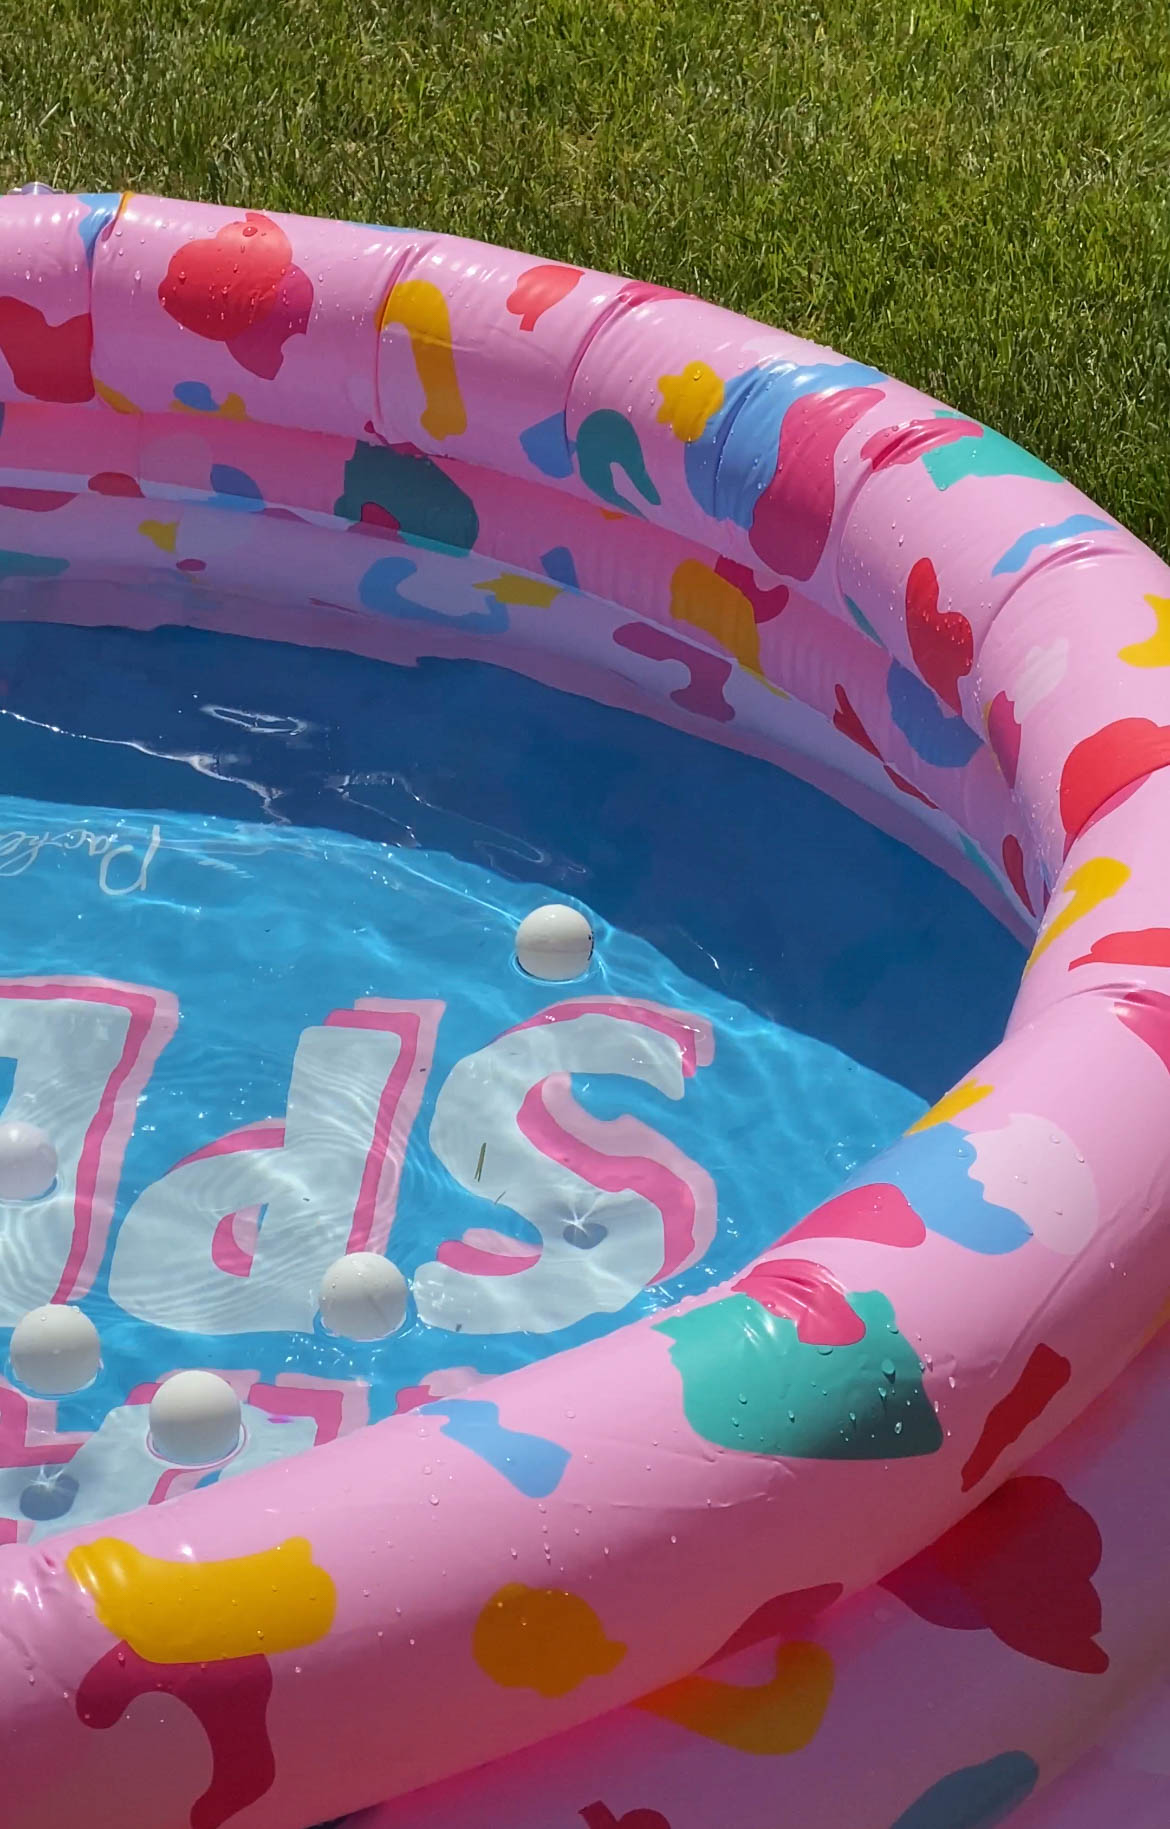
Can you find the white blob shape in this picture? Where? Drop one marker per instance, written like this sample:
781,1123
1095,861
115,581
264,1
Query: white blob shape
28,1161
55,1350
1031,1167
1041,673
363,1297
554,942
195,1419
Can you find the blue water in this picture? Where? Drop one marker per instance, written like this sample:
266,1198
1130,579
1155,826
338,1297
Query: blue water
283,832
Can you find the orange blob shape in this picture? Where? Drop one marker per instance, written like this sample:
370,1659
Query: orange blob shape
543,1639
780,1716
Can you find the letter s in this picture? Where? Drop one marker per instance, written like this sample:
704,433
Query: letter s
617,1206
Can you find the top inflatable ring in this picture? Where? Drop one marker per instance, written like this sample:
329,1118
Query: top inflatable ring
751,537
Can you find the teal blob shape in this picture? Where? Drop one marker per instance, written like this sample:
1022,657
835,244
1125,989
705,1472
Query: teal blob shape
749,1382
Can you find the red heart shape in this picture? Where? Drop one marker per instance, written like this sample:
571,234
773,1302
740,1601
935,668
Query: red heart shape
941,641
1138,946
1100,766
879,1213
807,1295
784,1616
1146,1014
538,289
905,444
1043,1378
1013,863
1004,733
48,361
846,720
221,285
1021,1566
600,1816
791,519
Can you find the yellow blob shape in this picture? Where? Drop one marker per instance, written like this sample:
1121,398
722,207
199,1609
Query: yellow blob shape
689,400
543,1639
780,1716
160,533
1155,651
205,1612
515,588
113,398
421,310
698,595
1090,884
957,1100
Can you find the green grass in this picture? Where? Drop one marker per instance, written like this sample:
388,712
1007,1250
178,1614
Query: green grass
972,194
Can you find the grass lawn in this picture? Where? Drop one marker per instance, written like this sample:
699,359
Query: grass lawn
972,194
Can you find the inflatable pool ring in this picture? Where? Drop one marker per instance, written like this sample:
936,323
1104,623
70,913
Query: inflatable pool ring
646,499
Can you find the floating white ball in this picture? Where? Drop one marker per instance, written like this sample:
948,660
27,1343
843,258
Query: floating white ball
554,942
28,1161
363,1297
55,1350
195,1419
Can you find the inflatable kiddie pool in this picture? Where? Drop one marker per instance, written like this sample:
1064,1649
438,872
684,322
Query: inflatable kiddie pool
870,1534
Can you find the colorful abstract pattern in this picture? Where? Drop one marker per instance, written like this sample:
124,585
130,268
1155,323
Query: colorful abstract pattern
408,446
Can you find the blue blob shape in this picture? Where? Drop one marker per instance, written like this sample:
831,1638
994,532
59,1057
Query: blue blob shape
101,208
938,737
530,1463
932,1169
731,464
975,856
862,620
30,565
379,591
976,1796
1017,556
197,395
546,445
209,1479
559,566
235,490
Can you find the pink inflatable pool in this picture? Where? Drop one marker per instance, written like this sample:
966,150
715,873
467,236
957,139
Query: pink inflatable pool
922,1589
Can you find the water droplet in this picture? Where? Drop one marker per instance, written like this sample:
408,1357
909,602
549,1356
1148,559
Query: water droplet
889,1370
897,1428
